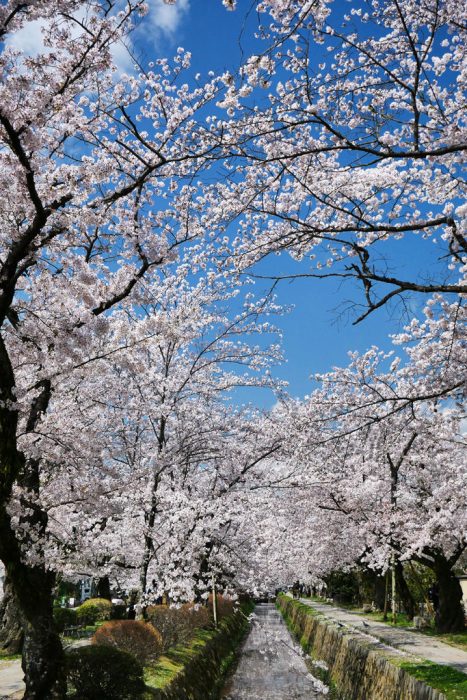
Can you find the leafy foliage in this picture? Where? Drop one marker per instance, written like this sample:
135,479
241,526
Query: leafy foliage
65,617
98,672
94,610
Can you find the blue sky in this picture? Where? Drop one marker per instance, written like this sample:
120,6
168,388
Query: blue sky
318,331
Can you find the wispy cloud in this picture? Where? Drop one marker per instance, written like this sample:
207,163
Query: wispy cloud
165,18
30,41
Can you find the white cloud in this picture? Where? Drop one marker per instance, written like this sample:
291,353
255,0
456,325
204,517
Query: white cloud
29,39
166,18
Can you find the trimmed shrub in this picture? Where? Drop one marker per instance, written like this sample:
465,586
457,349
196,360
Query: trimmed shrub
94,610
65,617
225,606
177,625
96,672
133,636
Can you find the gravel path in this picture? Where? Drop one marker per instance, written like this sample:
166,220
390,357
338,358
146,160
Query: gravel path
411,642
270,668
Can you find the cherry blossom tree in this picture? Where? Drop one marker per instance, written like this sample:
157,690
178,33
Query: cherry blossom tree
97,173
380,455
164,422
348,148
114,361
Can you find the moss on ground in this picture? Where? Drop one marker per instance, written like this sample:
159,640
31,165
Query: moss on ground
452,683
10,657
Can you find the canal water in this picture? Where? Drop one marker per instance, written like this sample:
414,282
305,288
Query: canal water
271,666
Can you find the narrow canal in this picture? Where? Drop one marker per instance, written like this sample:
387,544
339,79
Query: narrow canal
270,666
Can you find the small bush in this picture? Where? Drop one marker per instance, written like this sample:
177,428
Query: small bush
225,606
94,610
97,672
135,637
177,625
65,617
196,615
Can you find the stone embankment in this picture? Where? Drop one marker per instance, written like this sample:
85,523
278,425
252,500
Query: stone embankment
360,666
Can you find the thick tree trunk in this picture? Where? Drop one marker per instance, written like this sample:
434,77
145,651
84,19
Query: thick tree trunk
403,592
43,659
11,631
449,616
103,588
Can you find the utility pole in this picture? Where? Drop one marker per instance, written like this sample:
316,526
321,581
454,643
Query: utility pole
214,599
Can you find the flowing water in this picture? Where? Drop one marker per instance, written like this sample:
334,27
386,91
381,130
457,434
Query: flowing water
271,666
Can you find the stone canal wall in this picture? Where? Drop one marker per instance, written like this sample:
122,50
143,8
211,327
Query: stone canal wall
359,667
196,671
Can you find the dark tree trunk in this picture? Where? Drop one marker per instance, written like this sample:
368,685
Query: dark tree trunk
43,659
11,631
103,588
380,591
403,592
449,617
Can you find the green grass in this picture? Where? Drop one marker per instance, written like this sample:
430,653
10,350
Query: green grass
9,657
452,683
167,667
158,677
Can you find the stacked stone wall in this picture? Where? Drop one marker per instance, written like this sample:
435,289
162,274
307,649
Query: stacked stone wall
359,670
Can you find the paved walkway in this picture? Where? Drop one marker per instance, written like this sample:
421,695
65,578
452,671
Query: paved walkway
11,676
269,667
411,642
11,679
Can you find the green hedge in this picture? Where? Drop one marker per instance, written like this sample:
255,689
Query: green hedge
94,610
196,671
65,617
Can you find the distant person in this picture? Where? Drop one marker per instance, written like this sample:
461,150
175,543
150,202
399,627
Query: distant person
131,612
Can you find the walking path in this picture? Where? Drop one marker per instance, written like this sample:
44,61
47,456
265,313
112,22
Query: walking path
11,676
269,667
411,642
11,679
